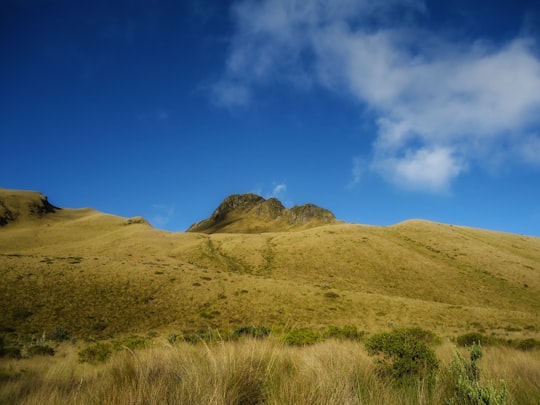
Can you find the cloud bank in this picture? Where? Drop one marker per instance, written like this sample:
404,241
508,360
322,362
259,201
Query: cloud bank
441,104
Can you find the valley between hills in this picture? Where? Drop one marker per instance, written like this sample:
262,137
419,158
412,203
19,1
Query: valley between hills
254,262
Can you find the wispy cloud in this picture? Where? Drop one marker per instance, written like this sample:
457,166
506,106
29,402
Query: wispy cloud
279,189
162,214
440,104
358,170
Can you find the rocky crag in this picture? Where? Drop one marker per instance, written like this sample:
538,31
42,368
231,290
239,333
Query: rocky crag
251,213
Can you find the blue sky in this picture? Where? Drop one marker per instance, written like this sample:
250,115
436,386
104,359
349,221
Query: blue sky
379,111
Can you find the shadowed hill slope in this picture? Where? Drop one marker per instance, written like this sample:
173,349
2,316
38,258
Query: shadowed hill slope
101,275
251,213
17,205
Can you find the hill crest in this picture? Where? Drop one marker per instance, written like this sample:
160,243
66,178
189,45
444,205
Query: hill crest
251,213
18,205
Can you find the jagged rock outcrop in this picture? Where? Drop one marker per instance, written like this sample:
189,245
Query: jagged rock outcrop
18,205
251,213
136,220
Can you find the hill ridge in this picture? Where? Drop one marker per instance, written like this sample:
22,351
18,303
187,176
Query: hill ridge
19,204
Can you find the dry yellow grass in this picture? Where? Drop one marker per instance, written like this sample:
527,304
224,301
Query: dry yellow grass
247,372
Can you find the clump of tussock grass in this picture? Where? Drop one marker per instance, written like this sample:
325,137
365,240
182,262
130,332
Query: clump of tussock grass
249,371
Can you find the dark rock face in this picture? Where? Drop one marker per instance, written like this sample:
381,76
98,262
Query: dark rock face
236,202
42,207
6,215
239,207
307,212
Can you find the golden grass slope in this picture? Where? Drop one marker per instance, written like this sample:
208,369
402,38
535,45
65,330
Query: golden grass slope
101,275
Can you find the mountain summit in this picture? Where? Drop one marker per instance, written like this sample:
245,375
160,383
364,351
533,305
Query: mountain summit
251,213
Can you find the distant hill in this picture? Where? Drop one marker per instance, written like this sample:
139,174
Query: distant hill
32,208
98,275
251,213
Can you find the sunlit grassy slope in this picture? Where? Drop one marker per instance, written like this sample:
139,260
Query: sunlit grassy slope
100,275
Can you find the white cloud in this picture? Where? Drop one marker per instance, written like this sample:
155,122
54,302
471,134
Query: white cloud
229,94
162,214
422,169
441,105
357,171
278,190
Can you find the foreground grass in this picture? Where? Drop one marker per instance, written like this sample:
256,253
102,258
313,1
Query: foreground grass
249,371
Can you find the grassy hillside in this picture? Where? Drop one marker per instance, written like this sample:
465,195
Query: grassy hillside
99,275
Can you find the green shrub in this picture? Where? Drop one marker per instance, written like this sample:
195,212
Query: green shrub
257,332
134,342
203,335
39,350
404,353
59,334
172,338
301,337
469,339
468,388
12,352
348,332
526,344
96,353
331,295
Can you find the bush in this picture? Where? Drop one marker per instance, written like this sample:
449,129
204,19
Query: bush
526,344
257,332
404,353
469,339
96,353
12,352
134,342
301,337
345,332
40,350
59,334
468,389
203,335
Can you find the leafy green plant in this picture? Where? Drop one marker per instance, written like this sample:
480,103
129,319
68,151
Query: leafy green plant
203,335
348,332
469,389
39,350
59,334
258,332
404,353
134,342
98,352
301,337
526,344
471,338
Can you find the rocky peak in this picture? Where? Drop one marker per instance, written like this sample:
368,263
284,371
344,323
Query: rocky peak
252,213
236,202
307,212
